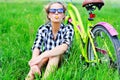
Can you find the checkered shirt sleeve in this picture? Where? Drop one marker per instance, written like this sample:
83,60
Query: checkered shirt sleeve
69,33
39,39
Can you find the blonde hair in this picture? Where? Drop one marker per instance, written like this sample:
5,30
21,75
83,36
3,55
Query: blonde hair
49,5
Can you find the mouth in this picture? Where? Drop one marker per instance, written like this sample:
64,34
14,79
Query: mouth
56,17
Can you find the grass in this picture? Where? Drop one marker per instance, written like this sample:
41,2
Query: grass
18,26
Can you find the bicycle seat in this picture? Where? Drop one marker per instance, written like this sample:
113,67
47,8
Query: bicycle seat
97,3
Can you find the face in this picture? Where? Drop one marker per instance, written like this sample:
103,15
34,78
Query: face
56,13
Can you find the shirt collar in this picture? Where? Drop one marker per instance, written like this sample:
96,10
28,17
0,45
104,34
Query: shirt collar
48,25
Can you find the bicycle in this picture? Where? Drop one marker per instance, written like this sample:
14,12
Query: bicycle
100,43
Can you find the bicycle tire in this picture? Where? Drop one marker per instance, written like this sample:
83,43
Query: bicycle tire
101,36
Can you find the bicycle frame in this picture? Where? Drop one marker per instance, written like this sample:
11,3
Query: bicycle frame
76,20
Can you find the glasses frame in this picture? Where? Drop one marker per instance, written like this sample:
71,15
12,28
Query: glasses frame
60,10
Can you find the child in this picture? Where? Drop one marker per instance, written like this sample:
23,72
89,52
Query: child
52,41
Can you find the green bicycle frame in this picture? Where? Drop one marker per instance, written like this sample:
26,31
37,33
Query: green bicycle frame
80,31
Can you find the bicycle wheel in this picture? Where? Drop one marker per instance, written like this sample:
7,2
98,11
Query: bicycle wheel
106,46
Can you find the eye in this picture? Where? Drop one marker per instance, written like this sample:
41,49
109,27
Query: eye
52,10
61,10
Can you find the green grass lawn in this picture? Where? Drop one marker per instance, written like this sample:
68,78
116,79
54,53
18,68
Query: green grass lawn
18,26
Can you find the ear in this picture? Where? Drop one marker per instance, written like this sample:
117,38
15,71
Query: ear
48,16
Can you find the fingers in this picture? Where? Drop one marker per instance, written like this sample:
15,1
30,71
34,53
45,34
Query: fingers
35,69
31,63
34,61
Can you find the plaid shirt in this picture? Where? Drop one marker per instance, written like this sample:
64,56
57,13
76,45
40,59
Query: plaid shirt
44,38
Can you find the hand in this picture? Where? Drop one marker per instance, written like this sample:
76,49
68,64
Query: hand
38,59
35,61
35,69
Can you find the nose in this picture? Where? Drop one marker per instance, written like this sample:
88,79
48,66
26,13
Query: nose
56,12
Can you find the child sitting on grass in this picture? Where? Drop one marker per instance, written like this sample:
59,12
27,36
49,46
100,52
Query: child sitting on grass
52,41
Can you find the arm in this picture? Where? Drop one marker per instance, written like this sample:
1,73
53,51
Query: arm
58,50
36,52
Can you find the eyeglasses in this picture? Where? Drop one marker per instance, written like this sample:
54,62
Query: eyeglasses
60,10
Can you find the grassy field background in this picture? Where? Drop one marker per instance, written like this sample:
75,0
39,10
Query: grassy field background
18,26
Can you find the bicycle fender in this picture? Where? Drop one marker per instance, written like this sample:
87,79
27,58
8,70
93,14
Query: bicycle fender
109,28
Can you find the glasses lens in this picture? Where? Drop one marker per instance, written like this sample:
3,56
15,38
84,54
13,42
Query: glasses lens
61,10
52,10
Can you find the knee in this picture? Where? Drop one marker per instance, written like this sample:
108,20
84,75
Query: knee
45,60
54,60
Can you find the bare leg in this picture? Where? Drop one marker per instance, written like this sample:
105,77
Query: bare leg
30,75
43,62
36,69
52,64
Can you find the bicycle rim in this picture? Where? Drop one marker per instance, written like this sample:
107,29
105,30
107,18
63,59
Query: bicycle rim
106,47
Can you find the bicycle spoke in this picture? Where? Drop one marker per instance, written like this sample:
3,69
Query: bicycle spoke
104,47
